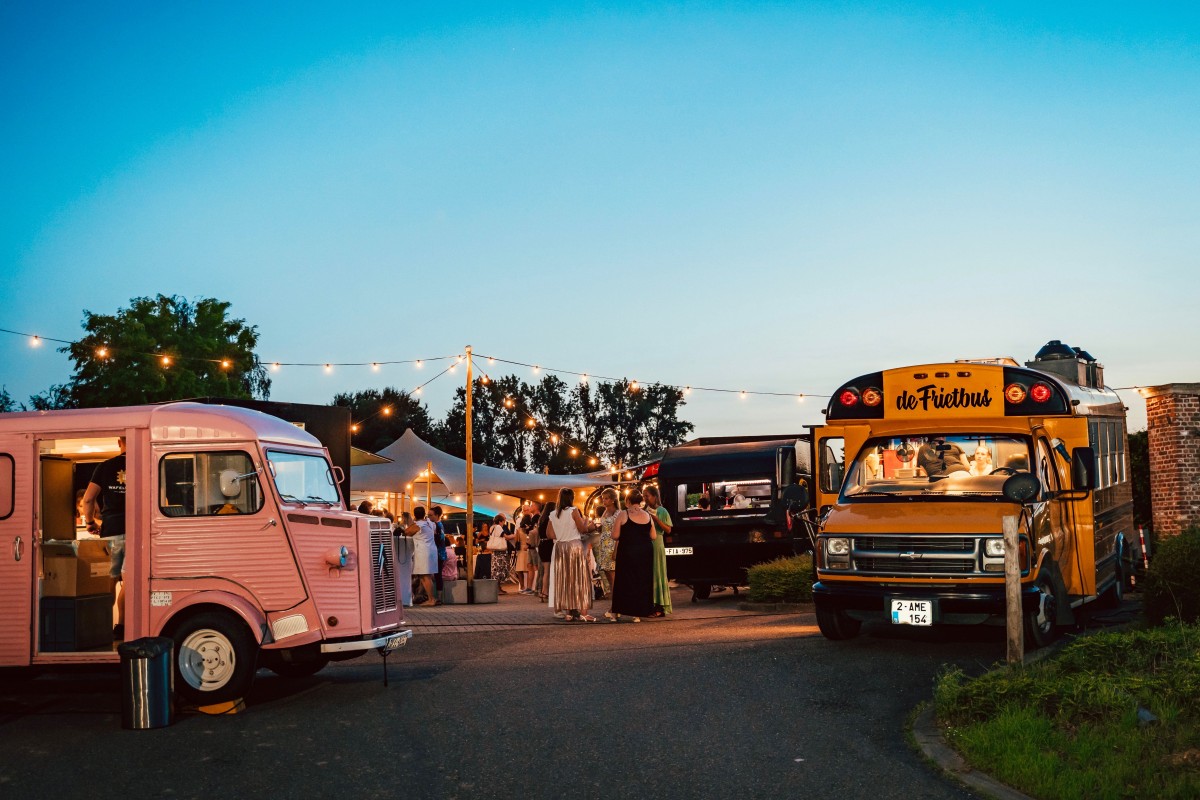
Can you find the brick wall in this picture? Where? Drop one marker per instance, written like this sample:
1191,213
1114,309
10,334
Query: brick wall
1173,427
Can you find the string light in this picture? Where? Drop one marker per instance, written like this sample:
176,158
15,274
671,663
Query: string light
375,366
531,422
633,386
354,428
166,361
225,363
275,366
387,411
743,394
101,352
419,363
536,369
35,341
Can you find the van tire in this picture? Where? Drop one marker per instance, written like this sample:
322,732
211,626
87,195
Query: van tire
837,625
215,658
1041,624
1114,594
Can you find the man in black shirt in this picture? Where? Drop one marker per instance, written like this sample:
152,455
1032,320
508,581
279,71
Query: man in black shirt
940,458
108,486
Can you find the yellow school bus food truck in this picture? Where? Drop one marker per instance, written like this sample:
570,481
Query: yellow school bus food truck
912,465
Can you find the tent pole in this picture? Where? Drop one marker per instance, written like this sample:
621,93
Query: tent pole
470,520
428,486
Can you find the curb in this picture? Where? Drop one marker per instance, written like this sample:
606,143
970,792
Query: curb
929,739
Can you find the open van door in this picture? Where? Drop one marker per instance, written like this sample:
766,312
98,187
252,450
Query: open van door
18,557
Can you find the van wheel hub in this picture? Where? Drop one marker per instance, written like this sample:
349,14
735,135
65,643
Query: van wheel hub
207,660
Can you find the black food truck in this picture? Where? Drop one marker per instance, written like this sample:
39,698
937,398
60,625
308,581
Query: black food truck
727,499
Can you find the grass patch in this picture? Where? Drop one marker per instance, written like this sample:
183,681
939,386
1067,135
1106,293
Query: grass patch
784,580
1067,727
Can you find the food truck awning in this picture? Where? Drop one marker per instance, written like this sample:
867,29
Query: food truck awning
410,456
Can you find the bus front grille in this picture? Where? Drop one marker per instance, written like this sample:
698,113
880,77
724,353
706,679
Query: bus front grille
916,556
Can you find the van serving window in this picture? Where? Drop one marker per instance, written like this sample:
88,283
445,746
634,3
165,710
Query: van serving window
208,484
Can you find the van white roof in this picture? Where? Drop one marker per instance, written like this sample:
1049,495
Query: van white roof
167,422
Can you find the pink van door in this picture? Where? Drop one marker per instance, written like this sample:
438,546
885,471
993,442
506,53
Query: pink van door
18,558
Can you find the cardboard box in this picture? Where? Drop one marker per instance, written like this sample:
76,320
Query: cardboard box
76,568
70,624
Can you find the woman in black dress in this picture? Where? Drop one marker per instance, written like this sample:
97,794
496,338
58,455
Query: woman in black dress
633,588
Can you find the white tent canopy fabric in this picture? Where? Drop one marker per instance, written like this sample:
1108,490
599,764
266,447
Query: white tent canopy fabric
410,456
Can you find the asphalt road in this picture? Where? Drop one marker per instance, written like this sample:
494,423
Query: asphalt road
752,706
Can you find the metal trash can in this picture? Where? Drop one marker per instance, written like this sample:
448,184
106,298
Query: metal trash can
147,682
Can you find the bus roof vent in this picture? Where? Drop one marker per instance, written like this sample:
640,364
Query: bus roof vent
1072,364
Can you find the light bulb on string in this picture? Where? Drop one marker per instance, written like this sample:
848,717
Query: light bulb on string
166,361
275,366
329,367
574,452
101,352
35,341
354,428
419,363
592,461
375,366
687,390
536,369
226,363
531,422
633,386
387,411
491,360
743,394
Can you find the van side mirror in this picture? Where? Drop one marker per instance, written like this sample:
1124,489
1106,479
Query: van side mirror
1083,469
833,476
1022,488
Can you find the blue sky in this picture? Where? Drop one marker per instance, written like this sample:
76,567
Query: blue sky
762,196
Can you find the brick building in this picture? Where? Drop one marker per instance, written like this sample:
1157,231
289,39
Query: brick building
1173,427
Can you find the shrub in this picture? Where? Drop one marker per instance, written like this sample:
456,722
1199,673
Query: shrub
784,580
1172,585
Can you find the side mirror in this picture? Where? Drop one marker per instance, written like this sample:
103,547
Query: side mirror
1083,468
833,476
1022,488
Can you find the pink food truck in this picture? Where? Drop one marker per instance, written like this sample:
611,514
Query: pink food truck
237,545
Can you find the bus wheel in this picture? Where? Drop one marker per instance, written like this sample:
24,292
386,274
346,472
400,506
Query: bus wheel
1116,593
837,625
701,591
1041,627
215,658
273,660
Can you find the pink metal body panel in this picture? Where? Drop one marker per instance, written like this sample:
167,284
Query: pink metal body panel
267,567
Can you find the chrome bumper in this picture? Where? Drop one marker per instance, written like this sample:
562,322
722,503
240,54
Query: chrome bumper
385,643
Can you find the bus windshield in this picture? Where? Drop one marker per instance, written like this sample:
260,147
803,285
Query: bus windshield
936,465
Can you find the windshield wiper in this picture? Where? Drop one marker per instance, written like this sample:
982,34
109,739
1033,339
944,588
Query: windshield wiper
291,498
872,493
313,497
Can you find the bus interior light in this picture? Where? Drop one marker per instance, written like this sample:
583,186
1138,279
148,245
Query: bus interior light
1014,393
872,397
848,398
1040,393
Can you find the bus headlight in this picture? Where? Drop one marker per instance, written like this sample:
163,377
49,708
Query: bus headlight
837,547
993,548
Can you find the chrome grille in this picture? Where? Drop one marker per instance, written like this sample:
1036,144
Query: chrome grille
915,556
383,566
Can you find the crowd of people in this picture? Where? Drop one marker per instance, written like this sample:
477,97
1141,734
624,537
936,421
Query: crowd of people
551,551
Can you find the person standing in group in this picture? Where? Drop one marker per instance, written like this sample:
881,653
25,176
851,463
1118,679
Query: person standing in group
405,549
529,528
501,559
633,589
424,553
521,554
606,548
662,526
440,541
107,489
545,552
572,592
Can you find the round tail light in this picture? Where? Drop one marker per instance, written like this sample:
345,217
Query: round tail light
1040,393
872,397
1014,393
848,398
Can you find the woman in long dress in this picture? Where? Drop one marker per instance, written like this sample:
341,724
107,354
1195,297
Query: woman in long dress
633,590
607,548
404,556
425,553
572,580
662,526
501,559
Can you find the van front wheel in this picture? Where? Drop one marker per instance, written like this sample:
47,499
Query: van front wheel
837,625
215,658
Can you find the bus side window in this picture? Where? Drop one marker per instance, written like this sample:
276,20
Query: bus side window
833,464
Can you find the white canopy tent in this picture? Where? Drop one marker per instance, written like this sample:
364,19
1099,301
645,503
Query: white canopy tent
410,457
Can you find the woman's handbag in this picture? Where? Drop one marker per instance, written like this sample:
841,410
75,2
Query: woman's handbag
496,540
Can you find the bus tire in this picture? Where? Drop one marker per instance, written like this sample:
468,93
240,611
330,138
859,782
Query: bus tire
215,658
1041,625
1114,594
701,591
837,625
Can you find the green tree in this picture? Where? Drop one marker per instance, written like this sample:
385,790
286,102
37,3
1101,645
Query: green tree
6,401
1139,472
382,417
121,359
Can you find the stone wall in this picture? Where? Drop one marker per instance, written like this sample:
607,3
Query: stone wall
1173,427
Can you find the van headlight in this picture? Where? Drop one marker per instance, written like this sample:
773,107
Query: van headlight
993,548
837,547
